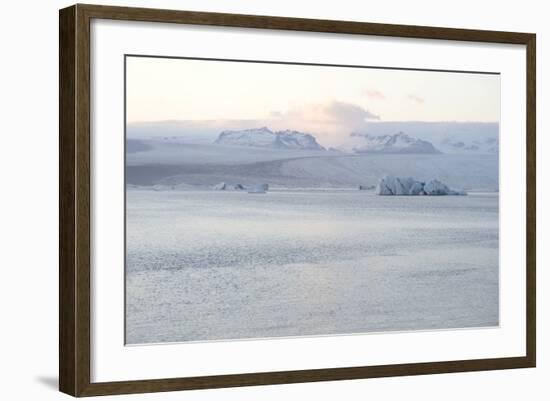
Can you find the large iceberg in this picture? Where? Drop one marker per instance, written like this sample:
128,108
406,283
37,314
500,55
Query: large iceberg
390,185
417,188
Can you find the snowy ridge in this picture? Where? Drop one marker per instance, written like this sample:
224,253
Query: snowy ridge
396,143
265,138
487,145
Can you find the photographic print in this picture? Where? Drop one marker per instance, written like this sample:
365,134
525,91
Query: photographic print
268,199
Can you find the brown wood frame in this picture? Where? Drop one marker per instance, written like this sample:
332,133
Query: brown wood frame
74,199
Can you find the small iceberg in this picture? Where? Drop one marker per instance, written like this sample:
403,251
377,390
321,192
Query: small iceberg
390,185
225,186
258,189
366,187
435,187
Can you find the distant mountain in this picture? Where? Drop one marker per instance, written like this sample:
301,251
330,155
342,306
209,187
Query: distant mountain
265,138
396,143
486,145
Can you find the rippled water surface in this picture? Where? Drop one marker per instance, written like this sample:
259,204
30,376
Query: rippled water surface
218,265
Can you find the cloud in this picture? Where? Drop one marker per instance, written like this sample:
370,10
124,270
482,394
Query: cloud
374,94
416,99
341,112
330,122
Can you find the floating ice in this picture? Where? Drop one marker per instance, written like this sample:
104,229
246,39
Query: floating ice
435,187
366,187
390,185
225,186
258,189
417,188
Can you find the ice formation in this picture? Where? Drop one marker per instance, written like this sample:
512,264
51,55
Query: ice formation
225,186
396,143
391,185
265,138
258,189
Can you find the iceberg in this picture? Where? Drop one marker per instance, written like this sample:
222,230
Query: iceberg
390,185
225,186
417,188
258,189
435,187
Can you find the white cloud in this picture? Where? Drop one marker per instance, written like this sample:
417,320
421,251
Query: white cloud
330,122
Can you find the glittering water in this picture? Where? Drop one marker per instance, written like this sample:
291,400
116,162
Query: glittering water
212,265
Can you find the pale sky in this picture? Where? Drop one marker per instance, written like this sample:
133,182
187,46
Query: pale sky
316,97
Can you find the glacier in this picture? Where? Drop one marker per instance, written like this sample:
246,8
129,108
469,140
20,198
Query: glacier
201,166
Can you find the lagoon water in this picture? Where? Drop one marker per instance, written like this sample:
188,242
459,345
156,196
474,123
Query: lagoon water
217,265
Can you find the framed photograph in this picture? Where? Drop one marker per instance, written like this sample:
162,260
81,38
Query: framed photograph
249,200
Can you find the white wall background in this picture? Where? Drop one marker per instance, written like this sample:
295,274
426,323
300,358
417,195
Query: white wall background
28,201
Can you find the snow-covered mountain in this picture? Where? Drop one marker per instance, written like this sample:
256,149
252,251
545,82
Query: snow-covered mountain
265,138
486,145
396,143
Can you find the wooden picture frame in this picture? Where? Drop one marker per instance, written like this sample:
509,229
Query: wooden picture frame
74,200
